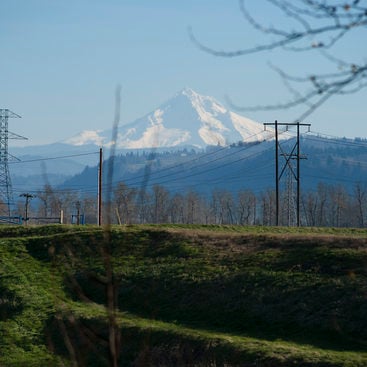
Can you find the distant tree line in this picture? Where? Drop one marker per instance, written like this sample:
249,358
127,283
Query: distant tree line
328,205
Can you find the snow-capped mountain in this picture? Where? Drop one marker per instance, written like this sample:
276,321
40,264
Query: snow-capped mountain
186,119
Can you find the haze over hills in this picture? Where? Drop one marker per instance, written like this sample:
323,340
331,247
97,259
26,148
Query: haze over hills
187,120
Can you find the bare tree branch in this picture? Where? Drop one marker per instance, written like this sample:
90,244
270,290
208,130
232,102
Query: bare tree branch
319,25
290,37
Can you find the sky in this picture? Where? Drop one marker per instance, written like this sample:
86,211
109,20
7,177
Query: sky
61,61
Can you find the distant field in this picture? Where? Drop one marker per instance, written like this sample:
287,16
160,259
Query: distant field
185,296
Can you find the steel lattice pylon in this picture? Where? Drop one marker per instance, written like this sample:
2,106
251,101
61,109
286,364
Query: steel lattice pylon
6,191
293,172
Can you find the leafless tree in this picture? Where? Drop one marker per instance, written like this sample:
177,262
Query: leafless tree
246,207
176,209
223,207
310,204
53,201
192,208
46,196
311,26
160,204
360,203
125,199
338,206
267,207
144,200
89,205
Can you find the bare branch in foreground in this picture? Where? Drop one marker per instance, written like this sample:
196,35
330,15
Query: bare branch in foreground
317,26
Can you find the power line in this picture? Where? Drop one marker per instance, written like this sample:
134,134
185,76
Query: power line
134,180
159,178
53,158
215,151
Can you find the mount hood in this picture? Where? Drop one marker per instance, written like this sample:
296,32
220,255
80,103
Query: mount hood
187,119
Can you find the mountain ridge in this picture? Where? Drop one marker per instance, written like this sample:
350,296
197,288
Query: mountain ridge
247,166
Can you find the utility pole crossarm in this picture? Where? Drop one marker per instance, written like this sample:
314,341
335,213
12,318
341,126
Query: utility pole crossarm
12,135
286,124
9,114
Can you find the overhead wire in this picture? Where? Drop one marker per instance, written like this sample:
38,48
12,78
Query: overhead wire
176,178
52,158
205,155
217,150
196,159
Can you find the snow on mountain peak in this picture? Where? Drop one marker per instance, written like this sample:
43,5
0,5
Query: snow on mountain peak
188,118
199,101
87,137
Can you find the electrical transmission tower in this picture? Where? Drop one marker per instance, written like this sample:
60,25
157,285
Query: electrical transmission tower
291,202
6,191
290,216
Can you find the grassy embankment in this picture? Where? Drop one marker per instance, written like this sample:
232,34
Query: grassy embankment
215,296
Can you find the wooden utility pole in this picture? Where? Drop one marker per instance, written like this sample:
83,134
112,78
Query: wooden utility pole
276,174
100,187
77,205
27,198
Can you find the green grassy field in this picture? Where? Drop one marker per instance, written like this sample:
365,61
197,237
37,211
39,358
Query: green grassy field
186,296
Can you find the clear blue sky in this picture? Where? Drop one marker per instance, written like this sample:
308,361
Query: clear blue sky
62,59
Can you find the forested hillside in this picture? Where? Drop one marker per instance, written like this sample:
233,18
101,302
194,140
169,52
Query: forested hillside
223,185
